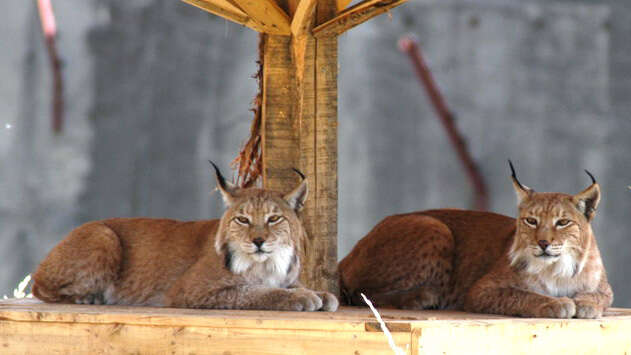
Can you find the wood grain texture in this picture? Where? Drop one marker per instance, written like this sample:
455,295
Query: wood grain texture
29,326
300,130
268,14
324,265
354,16
302,19
225,9
341,4
280,127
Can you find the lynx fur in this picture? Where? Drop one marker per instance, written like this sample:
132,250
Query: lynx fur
545,263
249,259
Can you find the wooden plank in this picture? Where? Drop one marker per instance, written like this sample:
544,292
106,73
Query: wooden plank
36,328
354,16
353,319
268,14
28,326
519,336
86,338
341,4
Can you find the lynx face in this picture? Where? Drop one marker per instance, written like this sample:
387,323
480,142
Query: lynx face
260,233
553,231
260,229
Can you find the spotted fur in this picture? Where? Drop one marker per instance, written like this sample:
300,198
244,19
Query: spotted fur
248,259
485,262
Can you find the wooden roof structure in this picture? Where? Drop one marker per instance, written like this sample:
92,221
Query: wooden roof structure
299,106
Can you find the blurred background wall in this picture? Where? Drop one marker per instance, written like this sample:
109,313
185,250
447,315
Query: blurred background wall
155,88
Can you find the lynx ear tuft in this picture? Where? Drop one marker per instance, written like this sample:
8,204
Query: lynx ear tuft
297,198
225,188
587,201
522,191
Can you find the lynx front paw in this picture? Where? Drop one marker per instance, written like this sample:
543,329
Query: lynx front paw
302,300
557,308
588,310
329,302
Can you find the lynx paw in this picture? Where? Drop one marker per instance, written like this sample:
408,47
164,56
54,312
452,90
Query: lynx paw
557,308
329,302
302,300
588,310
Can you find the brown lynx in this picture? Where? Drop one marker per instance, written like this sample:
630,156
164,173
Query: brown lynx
545,263
249,259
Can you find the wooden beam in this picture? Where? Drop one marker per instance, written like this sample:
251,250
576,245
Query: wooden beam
292,6
322,143
341,4
354,16
303,18
269,16
301,25
222,8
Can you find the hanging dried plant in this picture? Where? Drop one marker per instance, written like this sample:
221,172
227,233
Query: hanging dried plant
249,163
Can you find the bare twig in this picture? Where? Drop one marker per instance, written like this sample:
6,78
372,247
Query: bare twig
411,48
49,28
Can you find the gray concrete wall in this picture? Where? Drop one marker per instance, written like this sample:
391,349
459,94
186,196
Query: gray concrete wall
156,88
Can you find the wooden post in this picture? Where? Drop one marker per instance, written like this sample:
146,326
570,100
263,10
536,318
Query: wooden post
299,108
300,130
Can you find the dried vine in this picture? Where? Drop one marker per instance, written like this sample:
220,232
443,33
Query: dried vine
249,162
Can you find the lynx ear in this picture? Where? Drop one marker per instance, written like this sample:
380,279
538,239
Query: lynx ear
587,201
225,188
296,199
522,191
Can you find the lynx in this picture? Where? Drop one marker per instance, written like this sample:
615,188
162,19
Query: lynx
545,263
249,259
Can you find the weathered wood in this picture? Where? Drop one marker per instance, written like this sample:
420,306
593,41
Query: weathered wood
300,130
28,326
303,18
280,128
341,4
225,9
301,25
268,14
323,151
544,336
292,6
354,16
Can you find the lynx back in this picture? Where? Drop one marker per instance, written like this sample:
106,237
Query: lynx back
248,259
545,263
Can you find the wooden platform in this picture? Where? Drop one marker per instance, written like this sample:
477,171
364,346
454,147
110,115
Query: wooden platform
31,327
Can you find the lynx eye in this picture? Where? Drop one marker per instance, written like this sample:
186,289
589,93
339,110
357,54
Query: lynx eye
532,222
274,219
242,220
562,222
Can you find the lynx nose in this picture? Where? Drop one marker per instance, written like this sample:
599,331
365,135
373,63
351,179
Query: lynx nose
258,241
543,244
